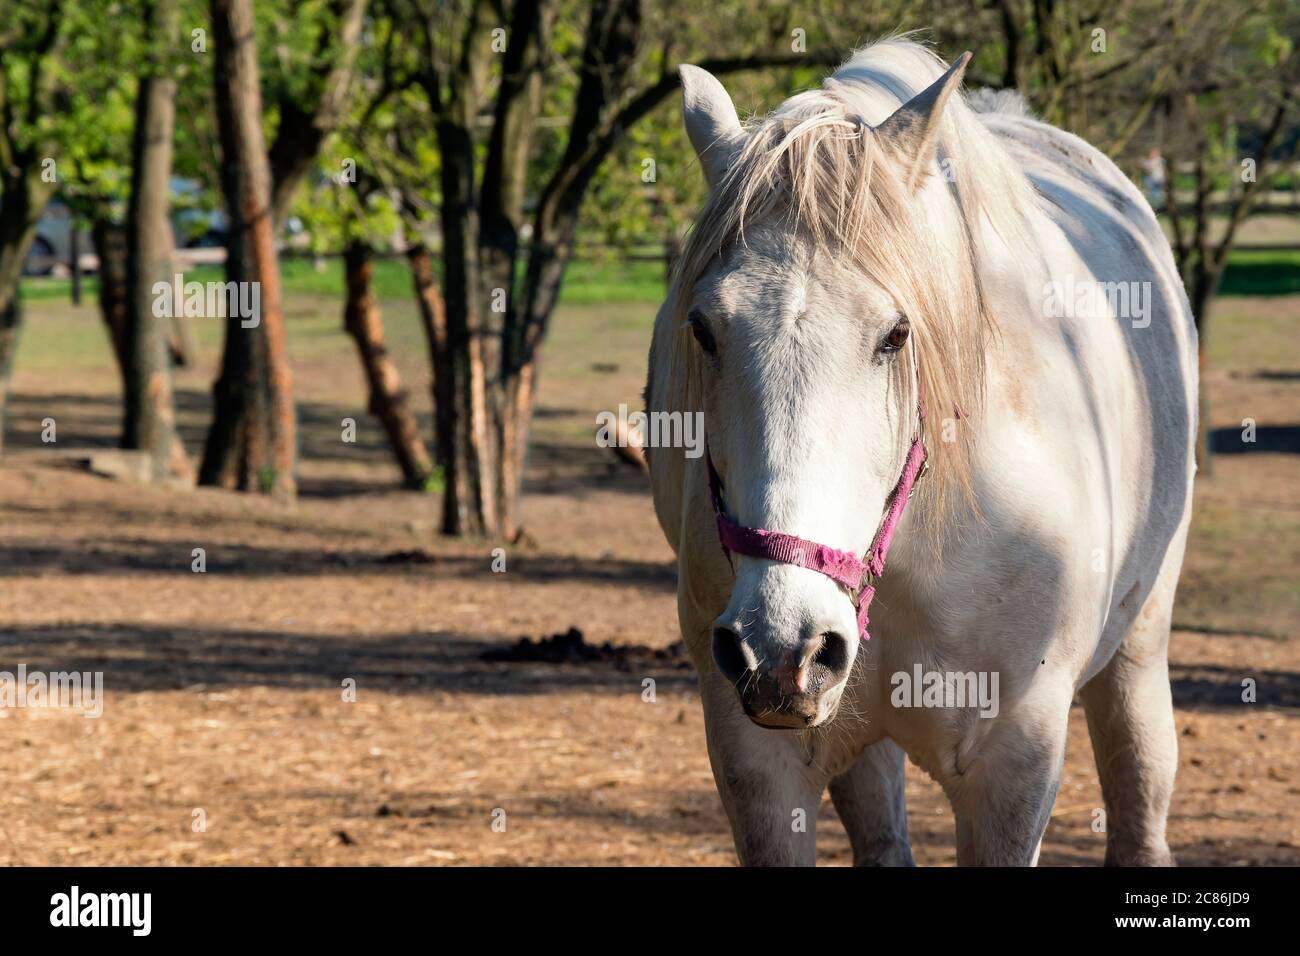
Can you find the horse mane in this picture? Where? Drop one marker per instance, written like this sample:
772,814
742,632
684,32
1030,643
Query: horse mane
815,163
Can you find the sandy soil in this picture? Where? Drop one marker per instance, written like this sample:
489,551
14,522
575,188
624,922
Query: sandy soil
224,690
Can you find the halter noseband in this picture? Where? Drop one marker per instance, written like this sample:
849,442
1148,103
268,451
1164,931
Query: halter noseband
856,575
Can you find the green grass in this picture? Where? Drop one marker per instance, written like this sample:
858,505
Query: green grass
615,282
585,283
1261,273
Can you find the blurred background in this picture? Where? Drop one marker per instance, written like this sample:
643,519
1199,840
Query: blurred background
458,219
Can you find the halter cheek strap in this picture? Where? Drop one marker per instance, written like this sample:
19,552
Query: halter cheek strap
856,575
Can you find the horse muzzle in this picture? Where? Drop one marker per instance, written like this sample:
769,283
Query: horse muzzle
787,679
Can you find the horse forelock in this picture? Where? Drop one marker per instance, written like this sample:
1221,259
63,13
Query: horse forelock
815,167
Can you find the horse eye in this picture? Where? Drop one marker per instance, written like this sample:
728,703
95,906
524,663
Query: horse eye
700,329
897,336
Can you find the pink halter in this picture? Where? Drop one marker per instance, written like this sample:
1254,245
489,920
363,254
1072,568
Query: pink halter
857,576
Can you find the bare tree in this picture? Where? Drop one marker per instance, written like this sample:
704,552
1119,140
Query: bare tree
499,291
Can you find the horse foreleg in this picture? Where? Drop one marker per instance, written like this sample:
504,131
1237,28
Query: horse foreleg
770,793
1003,786
869,797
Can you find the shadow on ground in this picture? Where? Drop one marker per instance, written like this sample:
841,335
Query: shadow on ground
1269,439
115,555
95,421
153,657
1211,687
137,658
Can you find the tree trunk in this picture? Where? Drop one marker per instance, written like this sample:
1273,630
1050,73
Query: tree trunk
470,496
252,444
109,240
11,320
433,316
149,418
182,345
110,245
520,369
1204,287
74,261
504,186
388,400
516,420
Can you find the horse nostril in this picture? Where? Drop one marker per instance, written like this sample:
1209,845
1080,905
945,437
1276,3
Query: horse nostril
727,654
833,655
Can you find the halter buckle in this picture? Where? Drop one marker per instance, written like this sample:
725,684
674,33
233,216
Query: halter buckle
925,470
867,581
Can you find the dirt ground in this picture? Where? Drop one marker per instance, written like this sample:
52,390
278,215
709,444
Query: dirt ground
224,690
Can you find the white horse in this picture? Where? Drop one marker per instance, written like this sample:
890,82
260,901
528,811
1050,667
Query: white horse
880,261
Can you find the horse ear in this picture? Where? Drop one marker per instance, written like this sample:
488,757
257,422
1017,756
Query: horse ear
711,121
914,126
